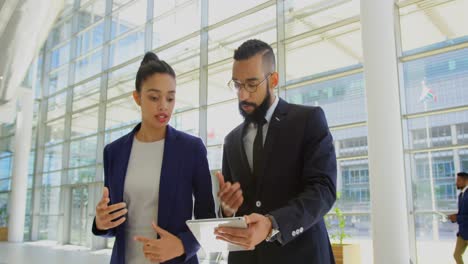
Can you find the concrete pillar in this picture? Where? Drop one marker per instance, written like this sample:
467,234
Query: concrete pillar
389,214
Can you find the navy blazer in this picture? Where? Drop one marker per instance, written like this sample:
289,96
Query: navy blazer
297,186
184,175
462,216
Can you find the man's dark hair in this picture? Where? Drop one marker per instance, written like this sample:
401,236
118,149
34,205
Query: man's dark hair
462,174
252,47
150,65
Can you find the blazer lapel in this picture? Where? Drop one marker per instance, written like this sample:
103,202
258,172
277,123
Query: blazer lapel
169,175
122,164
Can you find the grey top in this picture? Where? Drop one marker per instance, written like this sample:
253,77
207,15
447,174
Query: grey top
141,193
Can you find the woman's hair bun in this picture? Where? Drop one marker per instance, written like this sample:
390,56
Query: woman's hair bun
149,57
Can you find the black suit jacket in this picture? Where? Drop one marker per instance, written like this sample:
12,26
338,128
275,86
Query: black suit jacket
297,187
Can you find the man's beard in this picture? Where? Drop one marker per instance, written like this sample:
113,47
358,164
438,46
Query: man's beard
259,112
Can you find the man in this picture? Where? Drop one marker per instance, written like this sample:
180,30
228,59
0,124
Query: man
279,169
461,218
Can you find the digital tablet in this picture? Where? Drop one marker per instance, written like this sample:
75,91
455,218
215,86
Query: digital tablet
203,230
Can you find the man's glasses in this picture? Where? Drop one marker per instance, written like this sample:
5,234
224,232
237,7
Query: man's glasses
250,86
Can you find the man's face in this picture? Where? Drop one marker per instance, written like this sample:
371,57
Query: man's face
461,183
251,72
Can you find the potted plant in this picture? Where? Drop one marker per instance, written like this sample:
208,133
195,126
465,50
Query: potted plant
344,253
3,223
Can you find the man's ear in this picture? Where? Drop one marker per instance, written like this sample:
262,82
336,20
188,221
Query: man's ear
274,80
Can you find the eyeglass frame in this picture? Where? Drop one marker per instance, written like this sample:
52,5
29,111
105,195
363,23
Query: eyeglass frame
243,85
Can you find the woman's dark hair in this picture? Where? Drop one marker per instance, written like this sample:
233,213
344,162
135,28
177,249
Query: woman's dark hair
150,65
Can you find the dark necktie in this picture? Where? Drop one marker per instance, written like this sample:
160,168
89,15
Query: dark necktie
258,150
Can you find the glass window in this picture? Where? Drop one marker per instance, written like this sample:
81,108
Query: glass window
226,38
128,47
122,80
86,94
336,97
116,134
218,78
122,112
84,123
179,20
82,175
424,24
435,130
90,13
215,157
186,121
220,10
52,178
321,37
58,80
60,33
50,200
183,57
54,131
350,142
88,66
6,167
128,17
222,119
436,82
90,39
56,106
83,152
48,227
187,93
53,158
60,56
6,146
3,208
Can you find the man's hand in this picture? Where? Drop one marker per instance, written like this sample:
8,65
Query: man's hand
259,226
453,218
105,214
230,195
163,249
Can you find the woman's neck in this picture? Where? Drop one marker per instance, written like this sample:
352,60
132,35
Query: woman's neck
149,134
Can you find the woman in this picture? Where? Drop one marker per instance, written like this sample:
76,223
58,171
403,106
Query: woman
150,177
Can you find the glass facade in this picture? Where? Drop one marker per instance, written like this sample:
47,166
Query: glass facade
86,72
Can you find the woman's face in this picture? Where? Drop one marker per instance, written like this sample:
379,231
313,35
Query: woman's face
156,99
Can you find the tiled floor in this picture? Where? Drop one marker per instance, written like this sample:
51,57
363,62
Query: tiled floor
50,253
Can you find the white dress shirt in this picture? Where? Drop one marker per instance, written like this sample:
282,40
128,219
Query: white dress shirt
251,132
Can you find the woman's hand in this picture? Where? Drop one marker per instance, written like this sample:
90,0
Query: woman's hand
105,214
163,249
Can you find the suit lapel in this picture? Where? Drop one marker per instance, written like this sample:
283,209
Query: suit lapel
169,175
274,129
246,175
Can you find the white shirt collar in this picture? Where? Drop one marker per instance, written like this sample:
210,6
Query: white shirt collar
464,189
271,110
